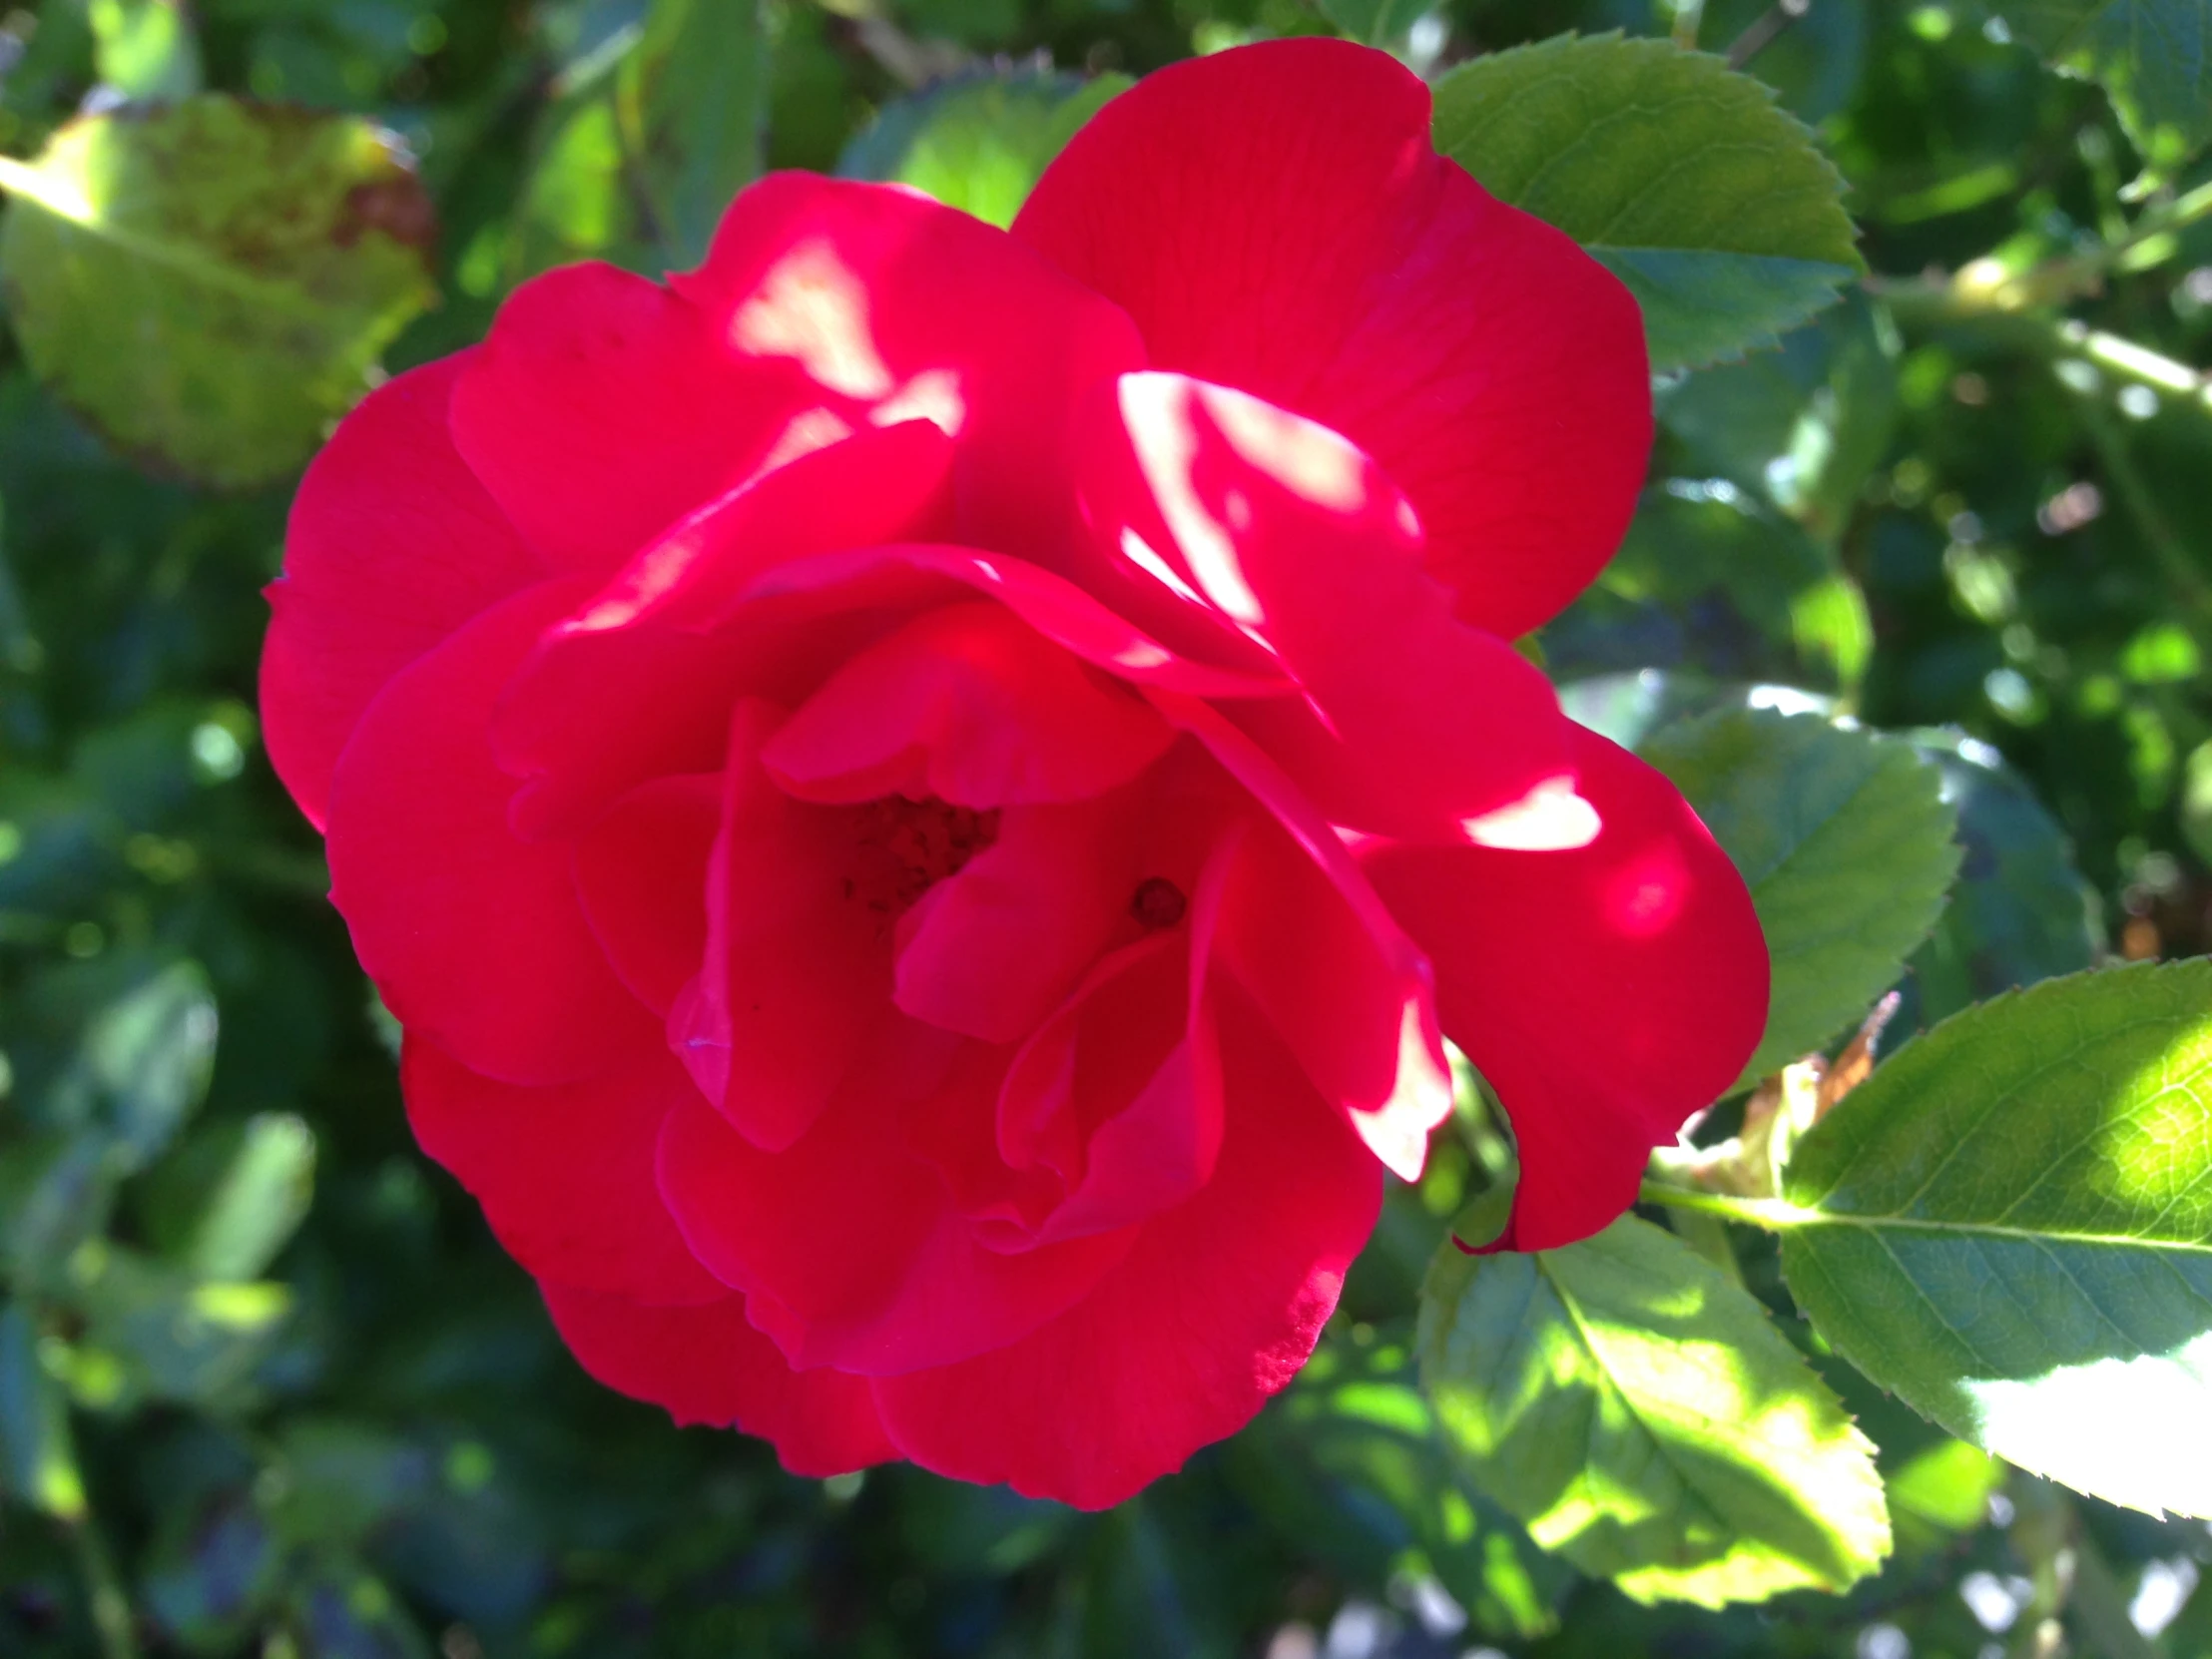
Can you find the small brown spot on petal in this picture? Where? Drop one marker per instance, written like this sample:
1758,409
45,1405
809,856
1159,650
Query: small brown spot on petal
1157,904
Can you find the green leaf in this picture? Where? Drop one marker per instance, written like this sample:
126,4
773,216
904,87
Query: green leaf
1351,1463
692,96
1803,426
209,284
208,1573
341,1479
38,1459
1709,573
175,1338
2020,911
978,144
56,1192
2153,56
2009,1226
1714,206
148,1054
259,1202
575,202
146,48
1939,1493
1846,842
1645,1419
343,1611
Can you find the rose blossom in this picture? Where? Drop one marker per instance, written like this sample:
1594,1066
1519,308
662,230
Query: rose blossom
927,798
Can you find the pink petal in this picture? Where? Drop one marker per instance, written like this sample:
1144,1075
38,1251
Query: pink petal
602,407
565,1174
1122,1091
798,963
1214,1310
906,578
968,704
848,1243
475,938
905,308
637,684
1607,992
641,875
1275,219
392,544
1348,990
1412,724
708,1365
992,951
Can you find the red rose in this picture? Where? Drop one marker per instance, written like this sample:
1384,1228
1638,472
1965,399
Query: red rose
920,791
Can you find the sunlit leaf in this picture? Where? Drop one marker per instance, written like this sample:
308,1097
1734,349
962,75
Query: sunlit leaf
258,1201
1714,206
1939,1493
1639,1410
146,48
1351,1462
209,284
2154,57
978,144
1846,842
2009,1225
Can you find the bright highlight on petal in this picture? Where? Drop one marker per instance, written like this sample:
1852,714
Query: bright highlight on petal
811,306
1550,818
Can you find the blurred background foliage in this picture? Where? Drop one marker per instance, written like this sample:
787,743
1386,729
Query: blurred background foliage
268,1387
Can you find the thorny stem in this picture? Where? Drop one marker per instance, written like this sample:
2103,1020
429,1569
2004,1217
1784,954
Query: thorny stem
1763,30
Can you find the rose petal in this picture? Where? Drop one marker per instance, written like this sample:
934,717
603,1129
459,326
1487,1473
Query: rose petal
968,704
1412,724
392,545
641,876
565,1174
907,308
1347,988
475,938
1122,1090
1341,269
993,949
1215,1309
1607,992
602,407
849,1242
908,577
708,1365
797,962
636,683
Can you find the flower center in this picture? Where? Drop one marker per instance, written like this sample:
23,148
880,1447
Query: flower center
905,847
